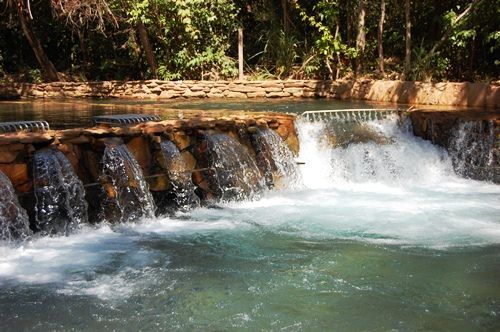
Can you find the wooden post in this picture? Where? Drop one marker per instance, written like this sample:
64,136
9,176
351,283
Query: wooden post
240,53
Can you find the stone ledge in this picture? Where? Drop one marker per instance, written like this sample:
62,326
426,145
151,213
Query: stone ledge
82,145
482,95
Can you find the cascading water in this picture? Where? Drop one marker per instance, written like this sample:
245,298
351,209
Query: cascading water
179,175
228,170
14,222
126,197
60,203
275,160
474,149
372,152
381,224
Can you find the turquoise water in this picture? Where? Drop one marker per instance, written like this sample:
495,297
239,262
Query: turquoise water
376,237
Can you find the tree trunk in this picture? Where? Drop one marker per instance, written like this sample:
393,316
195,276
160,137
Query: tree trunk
83,51
408,39
286,20
148,51
48,68
339,63
361,38
379,37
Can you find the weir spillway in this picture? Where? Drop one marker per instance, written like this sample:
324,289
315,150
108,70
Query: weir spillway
130,167
126,168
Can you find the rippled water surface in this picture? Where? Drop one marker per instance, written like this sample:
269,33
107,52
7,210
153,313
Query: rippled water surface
380,236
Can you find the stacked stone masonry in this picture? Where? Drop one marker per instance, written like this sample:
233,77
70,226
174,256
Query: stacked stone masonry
452,94
83,146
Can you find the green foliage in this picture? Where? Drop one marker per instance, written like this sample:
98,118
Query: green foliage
34,76
191,37
197,39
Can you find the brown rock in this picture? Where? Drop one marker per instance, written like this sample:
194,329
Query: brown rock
293,143
188,159
139,147
252,130
78,140
272,84
69,133
233,94
273,90
293,90
215,90
277,94
153,128
9,153
159,182
215,95
194,94
283,131
246,89
169,94
259,94
18,175
181,139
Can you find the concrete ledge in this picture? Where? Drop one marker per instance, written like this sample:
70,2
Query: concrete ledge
481,95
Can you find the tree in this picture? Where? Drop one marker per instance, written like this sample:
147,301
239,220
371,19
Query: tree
407,66
25,18
380,37
361,37
462,16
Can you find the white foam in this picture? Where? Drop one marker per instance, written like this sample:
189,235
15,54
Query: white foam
423,204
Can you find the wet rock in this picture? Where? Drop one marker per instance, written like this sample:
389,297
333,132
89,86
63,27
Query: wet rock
18,175
14,222
139,147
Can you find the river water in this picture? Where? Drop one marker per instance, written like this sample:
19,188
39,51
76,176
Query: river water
378,236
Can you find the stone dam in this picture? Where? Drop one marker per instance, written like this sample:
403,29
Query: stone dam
53,180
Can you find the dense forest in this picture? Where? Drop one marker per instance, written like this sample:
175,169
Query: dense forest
428,40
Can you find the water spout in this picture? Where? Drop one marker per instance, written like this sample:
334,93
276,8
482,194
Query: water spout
14,222
228,171
126,193
60,203
275,160
182,188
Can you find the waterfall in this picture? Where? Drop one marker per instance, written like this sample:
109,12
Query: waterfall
228,172
126,193
275,160
14,222
179,175
472,149
60,203
385,152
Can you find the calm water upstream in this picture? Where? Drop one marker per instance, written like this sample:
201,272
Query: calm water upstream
377,237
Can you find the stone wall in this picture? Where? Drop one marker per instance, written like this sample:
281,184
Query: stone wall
472,139
452,94
83,146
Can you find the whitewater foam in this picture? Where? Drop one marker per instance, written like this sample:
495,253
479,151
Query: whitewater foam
421,204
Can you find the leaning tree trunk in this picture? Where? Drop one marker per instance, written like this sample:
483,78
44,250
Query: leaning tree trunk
146,46
48,68
379,37
361,38
408,39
